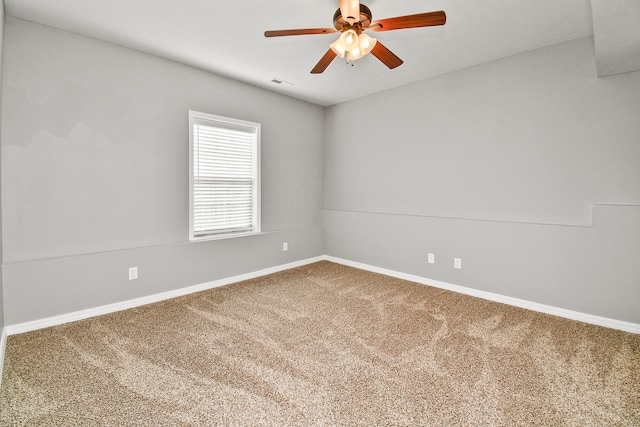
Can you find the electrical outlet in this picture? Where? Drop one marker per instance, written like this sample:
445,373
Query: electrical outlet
432,258
133,273
457,263
285,247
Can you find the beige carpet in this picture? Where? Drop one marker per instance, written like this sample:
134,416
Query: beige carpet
323,344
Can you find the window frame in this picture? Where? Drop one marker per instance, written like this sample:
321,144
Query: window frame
196,117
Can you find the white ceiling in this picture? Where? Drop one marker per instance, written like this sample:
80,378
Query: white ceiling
617,35
227,38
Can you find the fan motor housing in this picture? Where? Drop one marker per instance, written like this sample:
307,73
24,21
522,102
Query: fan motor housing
342,25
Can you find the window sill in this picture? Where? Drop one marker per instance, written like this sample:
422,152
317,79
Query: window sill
223,236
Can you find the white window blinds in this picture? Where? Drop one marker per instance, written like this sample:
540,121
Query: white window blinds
225,175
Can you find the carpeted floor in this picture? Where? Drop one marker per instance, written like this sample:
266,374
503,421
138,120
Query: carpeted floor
323,345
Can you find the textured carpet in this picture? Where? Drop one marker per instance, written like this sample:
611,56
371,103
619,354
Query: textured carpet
323,344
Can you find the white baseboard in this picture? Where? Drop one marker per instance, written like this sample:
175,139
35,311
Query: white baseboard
542,308
124,305
3,346
110,308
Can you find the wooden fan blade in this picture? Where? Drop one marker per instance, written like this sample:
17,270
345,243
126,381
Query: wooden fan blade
428,19
324,62
300,32
387,57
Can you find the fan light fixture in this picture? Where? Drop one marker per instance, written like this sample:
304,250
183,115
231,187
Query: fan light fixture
353,45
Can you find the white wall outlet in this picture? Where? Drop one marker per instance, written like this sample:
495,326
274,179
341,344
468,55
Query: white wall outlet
431,258
133,273
457,263
285,247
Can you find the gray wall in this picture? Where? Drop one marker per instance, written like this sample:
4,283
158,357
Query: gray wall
516,166
95,174
504,165
2,16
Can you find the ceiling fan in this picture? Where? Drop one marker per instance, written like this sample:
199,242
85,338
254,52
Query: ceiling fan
352,19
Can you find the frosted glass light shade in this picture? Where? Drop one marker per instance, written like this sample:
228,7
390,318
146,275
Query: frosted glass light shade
354,54
349,40
337,48
365,45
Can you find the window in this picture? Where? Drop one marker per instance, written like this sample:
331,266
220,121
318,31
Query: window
224,176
